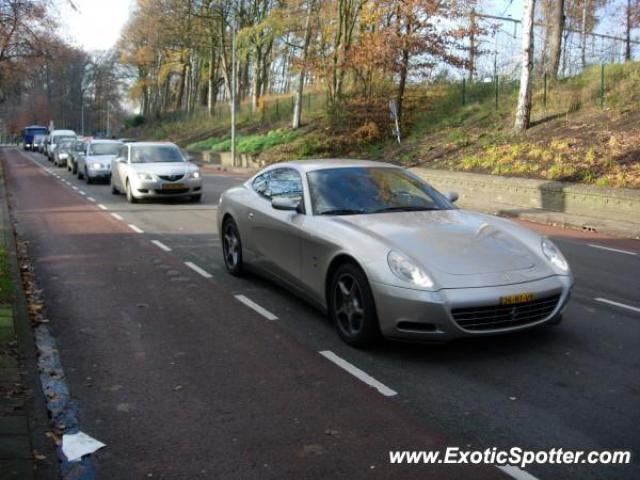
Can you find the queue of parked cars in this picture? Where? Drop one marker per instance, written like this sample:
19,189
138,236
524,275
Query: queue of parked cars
140,170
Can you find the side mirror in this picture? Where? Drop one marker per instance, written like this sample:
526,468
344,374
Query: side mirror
451,196
285,203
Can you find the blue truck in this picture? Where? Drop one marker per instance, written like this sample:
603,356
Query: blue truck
29,134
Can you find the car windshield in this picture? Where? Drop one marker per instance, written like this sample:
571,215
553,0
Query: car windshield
156,154
66,145
59,140
104,148
365,190
79,146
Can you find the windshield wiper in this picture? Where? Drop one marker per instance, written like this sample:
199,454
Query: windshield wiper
342,211
404,209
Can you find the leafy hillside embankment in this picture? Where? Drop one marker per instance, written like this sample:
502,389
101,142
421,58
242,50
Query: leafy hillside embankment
581,135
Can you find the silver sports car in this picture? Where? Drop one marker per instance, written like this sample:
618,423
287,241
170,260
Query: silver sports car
385,254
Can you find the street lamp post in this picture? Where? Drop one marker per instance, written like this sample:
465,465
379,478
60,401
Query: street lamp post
232,105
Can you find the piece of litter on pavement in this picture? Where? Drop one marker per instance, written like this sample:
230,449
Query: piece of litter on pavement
76,445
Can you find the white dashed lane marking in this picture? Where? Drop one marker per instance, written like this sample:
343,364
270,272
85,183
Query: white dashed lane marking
255,307
609,249
198,270
135,229
359,374
116,216
161,245
102,207
617,304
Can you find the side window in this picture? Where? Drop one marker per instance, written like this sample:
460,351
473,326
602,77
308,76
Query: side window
285,182
261,185
123,153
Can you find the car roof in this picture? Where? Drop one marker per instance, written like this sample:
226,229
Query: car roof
104,140
331,163
63,132
151,144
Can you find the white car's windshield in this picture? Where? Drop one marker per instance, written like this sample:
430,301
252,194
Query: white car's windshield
360,190
156,154
104,148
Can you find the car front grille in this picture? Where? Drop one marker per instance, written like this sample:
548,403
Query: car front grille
171,178
495,317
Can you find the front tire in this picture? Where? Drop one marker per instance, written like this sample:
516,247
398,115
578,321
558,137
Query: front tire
352,308
232,248
130,197
196,198
88,178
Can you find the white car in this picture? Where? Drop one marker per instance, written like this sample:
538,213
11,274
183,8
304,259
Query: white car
55,138
95,162
154,170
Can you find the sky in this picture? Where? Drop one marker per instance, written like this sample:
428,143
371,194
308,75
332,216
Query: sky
96,24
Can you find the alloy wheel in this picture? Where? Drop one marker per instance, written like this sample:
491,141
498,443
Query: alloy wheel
349,305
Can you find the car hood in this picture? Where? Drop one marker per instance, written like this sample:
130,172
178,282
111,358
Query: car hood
454,242
104,159
165,168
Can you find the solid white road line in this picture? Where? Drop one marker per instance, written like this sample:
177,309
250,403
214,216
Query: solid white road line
161,245
91,199
516,473
198,270
116,216
617,250
359,374
135,229
255,307
102,207
617,304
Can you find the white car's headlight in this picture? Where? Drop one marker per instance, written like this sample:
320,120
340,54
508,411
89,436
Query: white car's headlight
405,269
554,255
96,165
195,174
145,176
63,156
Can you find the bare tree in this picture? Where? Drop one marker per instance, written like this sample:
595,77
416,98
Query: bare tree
297,108
523,110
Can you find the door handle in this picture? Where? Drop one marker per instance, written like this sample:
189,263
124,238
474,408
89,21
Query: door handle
250,215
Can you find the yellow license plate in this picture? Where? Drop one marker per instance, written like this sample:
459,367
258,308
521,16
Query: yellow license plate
518,298
173,186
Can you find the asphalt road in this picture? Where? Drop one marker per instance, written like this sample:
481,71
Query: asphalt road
113,293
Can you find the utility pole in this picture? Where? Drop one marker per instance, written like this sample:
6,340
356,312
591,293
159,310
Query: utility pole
108,119
233,94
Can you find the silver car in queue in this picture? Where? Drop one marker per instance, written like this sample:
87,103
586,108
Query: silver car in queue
385,254
145,170
95,163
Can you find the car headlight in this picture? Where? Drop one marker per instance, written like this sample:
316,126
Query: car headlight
145,176
554,255
195,174
63,156
405,269
96,166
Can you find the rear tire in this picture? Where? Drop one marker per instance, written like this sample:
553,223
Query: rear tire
114,190
352,308
232,248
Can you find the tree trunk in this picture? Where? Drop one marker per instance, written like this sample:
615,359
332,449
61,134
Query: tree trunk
472,45
627,51
523,110
556,26
297,107
583,32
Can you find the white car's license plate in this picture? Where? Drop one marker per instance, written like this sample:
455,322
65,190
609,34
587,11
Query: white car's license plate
173,186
